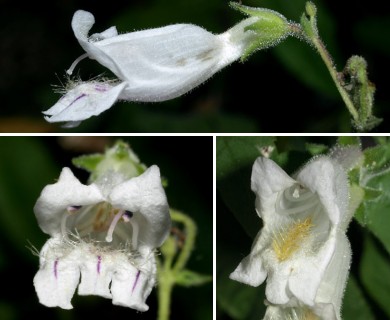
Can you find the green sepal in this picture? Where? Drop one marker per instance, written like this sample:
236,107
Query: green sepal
188,278
88,162
268,30
119,158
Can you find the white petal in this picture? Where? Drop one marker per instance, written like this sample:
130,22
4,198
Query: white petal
96,274
84,101
145,197
250,270
55,199
266,181
276,290
57,278
330,293
327,178
131,286
309,271
268,177
165,63
82,22
348,156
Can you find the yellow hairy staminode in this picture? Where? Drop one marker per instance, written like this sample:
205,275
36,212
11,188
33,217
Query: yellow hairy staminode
287,241
301,314
309,315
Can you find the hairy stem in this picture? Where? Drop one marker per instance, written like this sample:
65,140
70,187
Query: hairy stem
166,272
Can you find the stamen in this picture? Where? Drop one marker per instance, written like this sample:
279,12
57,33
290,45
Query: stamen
134,239
70,210
74,64
113,225
63,224
127,215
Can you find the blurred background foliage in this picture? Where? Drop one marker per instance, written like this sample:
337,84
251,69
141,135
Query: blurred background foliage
27,164
367,294
289,81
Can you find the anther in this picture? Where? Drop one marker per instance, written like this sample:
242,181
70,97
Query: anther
72,209
127,216
74,64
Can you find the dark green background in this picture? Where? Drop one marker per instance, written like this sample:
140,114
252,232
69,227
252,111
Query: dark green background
288,82
27,164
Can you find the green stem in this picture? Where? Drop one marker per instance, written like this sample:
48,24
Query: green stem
167,273
165,286
188,246
326,57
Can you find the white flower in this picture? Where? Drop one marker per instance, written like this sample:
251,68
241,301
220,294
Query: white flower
107,232
302,249
151,65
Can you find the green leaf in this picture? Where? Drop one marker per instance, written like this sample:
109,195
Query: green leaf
355,305
348,141
235,157
238,300
376,160
315,149
188,278
234,153
375,274
375,181
25,168
375,213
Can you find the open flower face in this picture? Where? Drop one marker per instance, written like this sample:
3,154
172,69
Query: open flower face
301,238
106,232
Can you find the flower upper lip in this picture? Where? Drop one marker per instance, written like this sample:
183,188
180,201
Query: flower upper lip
143,194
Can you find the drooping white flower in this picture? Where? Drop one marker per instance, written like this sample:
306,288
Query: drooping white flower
302,249
105,232
153,65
